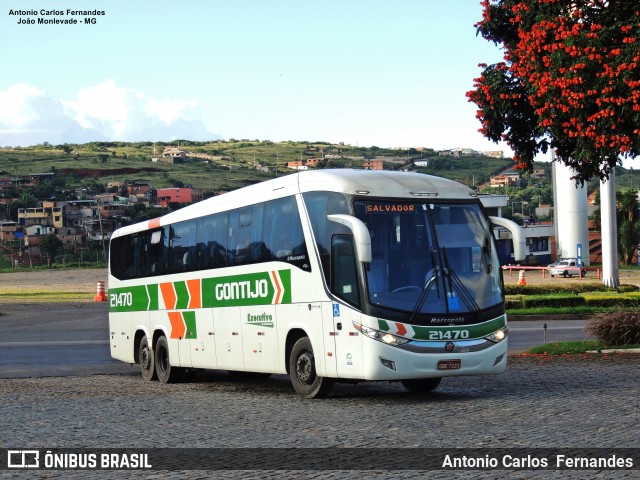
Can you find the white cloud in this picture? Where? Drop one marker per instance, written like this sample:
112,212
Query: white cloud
102,112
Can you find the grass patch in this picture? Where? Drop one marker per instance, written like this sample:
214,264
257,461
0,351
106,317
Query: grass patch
574,347
583,302
16,296
558,310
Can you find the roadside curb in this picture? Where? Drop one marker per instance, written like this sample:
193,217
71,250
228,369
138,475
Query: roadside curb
551,316
616,350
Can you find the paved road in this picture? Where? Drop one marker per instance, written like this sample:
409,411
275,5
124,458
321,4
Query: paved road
575,402
72,339
55,339
572,402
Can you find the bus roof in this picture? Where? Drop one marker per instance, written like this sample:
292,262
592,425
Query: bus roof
371,183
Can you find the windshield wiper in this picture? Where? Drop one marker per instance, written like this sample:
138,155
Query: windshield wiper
425,292
461,288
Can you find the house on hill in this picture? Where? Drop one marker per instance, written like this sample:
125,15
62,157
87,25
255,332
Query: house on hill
179,195
373,165
8,230
171,155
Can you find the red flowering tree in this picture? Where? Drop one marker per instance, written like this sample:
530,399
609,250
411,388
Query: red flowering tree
570,81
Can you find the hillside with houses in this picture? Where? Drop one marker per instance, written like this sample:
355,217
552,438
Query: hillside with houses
79,194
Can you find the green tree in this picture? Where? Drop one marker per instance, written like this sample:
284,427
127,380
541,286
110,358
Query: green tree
28,199
570,81
628,225
628,218
52,246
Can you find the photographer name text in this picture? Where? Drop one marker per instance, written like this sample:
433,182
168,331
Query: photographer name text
57,17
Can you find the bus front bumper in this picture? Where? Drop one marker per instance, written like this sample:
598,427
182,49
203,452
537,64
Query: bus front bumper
434,359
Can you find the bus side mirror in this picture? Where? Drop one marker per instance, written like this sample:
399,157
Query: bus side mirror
360,234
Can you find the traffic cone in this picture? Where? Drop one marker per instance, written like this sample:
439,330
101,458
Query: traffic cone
521,280
101,296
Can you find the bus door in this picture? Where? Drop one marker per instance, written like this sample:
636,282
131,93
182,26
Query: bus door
328,334
348,343
344,284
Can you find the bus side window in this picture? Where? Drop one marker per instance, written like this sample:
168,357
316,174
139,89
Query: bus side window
183,243
119,256
344,277
212,242
283,233
154,252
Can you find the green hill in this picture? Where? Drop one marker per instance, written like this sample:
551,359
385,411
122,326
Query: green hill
221,165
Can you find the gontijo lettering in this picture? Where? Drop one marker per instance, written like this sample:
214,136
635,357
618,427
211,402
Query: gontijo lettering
245,289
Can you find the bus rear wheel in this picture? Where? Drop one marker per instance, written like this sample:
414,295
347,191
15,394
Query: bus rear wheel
166,373
421,385
146,360
302,369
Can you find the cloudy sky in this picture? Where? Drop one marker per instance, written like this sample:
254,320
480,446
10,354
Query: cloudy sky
363,72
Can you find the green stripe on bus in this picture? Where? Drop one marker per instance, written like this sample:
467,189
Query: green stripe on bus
285,276
128,299
190,323
432,333
475,331
153,296
182,294
262,288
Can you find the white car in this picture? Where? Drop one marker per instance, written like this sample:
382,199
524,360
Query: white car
567,268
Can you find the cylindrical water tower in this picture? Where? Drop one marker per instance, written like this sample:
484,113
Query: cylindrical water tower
572,230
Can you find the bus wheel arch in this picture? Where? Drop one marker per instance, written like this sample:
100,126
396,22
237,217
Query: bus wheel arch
303,374
292,337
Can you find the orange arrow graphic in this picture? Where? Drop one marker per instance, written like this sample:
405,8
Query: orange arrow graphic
168,295
278,297
177,325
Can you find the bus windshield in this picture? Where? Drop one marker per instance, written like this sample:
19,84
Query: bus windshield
430,258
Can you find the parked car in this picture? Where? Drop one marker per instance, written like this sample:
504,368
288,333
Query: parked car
567,267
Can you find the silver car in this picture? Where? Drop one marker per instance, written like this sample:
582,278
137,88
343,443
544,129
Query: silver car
567,268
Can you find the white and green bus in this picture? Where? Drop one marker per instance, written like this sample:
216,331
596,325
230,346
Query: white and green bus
328,275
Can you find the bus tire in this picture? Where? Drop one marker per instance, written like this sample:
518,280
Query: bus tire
146,360
421,385
302,369
166,373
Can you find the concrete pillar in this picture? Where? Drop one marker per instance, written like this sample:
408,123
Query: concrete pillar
571,217
609,232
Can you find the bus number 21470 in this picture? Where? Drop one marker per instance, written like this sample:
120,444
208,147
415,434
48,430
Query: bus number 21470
449,335
124,299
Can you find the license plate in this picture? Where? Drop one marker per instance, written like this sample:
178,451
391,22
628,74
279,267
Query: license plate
448,364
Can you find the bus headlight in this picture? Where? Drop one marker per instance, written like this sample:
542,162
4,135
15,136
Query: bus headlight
384,337
498,335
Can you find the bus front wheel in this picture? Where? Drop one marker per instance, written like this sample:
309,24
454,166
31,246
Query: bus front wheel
302,369
166,373
421,385
146,360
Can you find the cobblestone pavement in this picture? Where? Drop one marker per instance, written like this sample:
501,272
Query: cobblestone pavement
574,401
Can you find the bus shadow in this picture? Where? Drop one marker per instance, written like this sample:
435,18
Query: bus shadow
383,391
